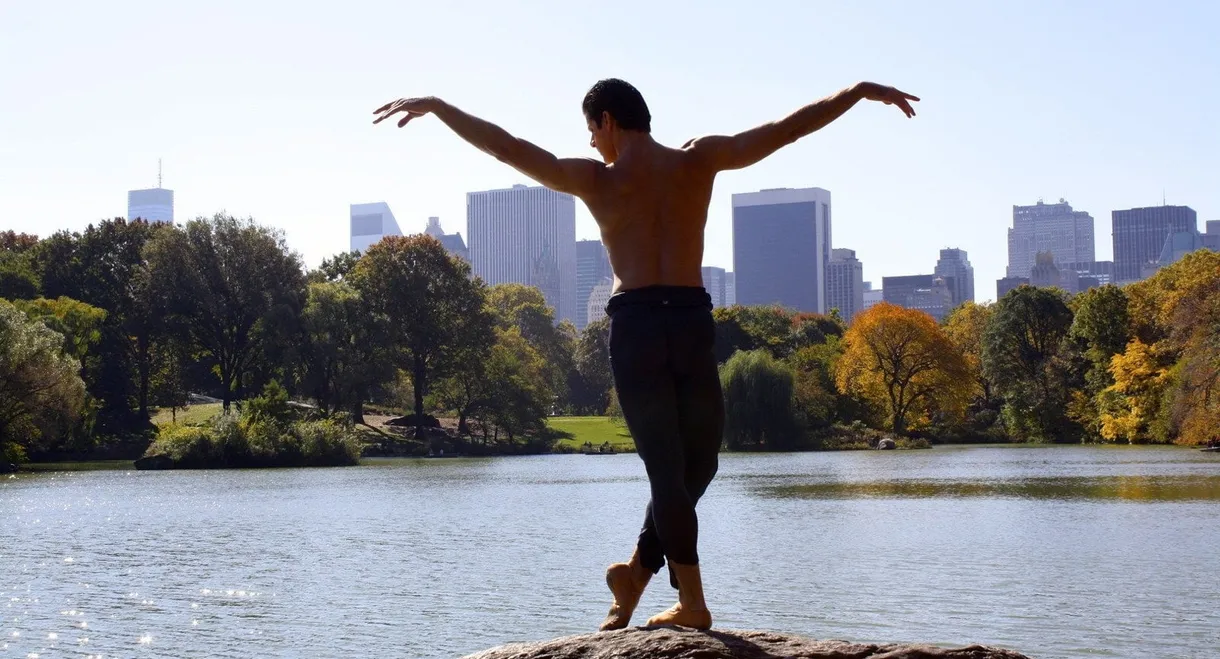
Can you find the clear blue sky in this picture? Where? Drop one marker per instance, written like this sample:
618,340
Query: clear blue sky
264,109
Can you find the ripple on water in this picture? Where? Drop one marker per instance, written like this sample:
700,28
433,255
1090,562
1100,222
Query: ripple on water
443,558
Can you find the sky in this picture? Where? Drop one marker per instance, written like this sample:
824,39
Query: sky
264,109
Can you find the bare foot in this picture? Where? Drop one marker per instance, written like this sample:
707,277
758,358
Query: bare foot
621,579
682,617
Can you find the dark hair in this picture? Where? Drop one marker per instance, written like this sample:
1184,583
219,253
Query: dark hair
622,101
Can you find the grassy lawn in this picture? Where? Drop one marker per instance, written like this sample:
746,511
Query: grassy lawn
193,415
592,429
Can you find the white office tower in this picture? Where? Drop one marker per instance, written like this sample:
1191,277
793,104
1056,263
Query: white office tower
370,223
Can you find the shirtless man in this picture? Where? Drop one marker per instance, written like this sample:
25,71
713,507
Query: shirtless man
650,202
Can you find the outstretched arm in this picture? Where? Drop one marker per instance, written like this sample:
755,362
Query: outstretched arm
723,152
572,175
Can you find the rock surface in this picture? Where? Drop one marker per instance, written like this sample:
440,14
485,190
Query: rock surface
676,643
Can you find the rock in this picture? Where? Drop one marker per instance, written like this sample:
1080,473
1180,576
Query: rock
155,462
676,643
8,468
426,421
887,444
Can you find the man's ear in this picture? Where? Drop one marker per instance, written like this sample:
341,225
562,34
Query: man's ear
607,120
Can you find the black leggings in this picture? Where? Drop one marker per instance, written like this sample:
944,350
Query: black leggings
661,354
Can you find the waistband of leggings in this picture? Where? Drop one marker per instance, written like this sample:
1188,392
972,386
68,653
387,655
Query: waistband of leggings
661,297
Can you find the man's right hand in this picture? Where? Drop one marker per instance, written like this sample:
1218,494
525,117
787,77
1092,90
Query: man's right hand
888,95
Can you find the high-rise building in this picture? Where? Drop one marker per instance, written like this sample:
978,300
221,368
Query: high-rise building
931,294
845,283
526,235
370,223
1211,239
1046,274
954,263
599,297
872,295
1140,233
1055,228
151,205
730,289
1176,246
1003,286
781,247
452,242
592,268
714,282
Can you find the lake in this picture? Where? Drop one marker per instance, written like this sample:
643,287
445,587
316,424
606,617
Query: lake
1052,551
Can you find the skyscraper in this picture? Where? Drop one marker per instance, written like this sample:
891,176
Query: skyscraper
730,289
370,223
713,281
1140,233
845,283
152,205
872,295
1211,239
452,241
954,263
526,235
931,294
592,268
1055,228
781,247
599,297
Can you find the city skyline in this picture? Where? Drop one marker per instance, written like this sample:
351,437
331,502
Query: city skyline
282,132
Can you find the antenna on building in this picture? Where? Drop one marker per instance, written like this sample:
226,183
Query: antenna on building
1163,197
158,172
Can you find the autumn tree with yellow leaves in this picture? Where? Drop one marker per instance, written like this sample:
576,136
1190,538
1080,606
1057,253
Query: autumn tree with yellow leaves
900,360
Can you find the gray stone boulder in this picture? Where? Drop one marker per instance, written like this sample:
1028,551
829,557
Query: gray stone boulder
8,468
679,643
887,444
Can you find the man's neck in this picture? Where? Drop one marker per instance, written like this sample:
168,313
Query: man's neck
631,142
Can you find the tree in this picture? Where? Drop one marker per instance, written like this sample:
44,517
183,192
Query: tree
815,394
104,266
41,392
1025,355
430,305
515,393
524,307
758,402
1131,405
345,351
18,277
229,282
1176,313
1101,330
900,361
592,383
336,268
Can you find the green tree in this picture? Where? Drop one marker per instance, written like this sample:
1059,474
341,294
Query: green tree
229,283
524,307
104,266
1024,354
759,402
336,268
345,351
592,381
432,307
18,277
516,394
41,392
1101,330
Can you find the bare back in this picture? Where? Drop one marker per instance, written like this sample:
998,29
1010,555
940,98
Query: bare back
651,206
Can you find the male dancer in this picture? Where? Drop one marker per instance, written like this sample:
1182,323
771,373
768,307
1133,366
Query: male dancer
650,202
